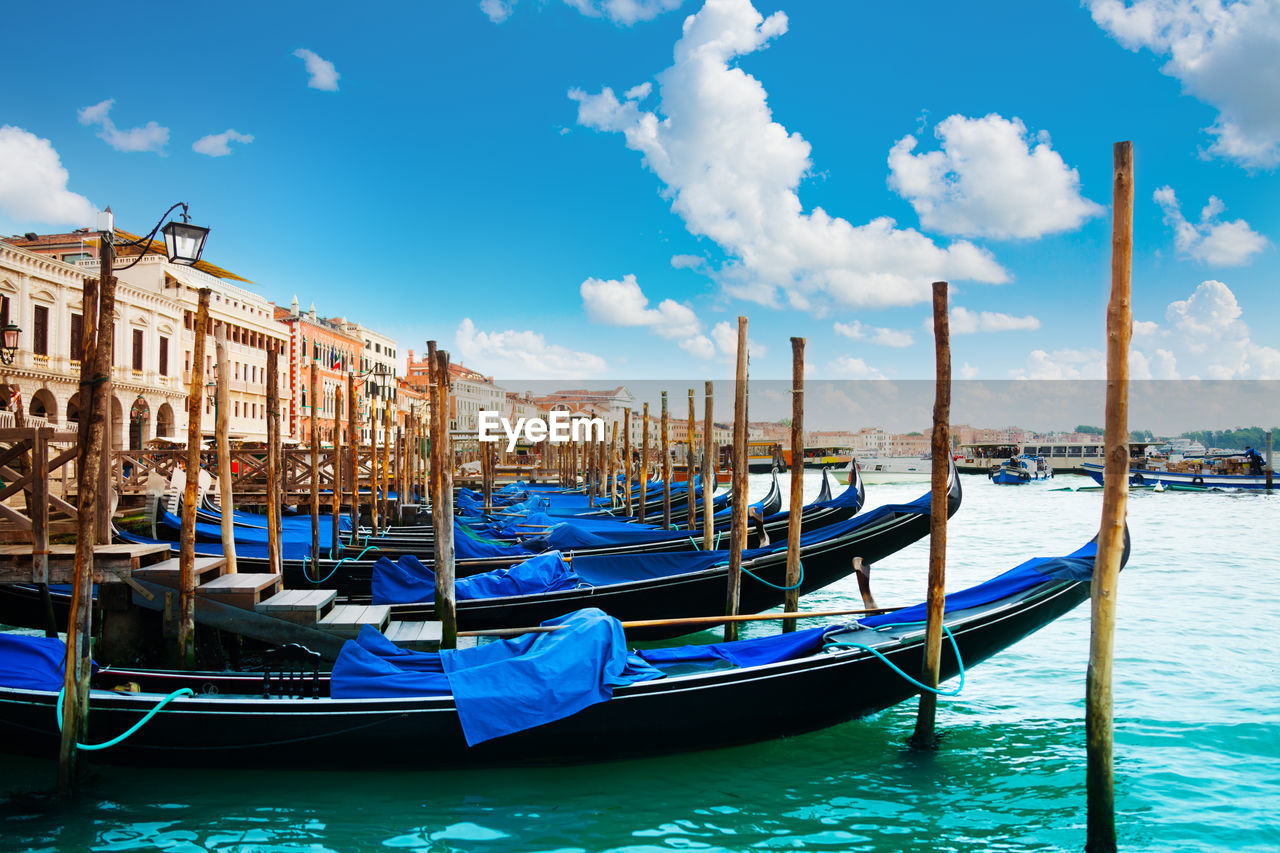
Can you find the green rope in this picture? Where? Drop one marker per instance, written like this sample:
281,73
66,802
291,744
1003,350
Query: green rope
894,667
337,564
747,571
181,691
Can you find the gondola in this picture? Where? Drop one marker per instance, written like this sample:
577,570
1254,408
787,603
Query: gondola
712,696
662,586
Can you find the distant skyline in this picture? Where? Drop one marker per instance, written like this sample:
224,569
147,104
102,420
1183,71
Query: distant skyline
593,189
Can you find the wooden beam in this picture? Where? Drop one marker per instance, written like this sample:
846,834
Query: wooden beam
791,598
738,524
187,551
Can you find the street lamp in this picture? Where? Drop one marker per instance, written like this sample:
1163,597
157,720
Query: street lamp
10,348
183,241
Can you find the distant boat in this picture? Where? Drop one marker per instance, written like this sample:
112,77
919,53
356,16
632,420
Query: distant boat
1021,469
888,469
1187,480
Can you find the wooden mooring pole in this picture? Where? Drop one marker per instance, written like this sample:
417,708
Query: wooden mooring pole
1269,468
738,523
221,419
791,598
335,459
666,464
644,462
924,736
187,547
690,443
353,455
446,606
315,461
709,476
626,462
95,362
1098,720
275,557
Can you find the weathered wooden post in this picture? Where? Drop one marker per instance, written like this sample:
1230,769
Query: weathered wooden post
710,482
353,454
1101,822
315,462
791,598
626,461
923,737
1269,468
644,462
433,433
275,558
665,449
373,460
446,607
95,363
692,522
335,459
738,524
221,413
613,466
187,547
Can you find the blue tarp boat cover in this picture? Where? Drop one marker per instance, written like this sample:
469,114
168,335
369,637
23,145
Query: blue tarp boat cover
32,663
1077,566
408,581
502,687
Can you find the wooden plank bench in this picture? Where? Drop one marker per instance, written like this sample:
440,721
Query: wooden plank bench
242,589
303,606
346,620
168,573
422,636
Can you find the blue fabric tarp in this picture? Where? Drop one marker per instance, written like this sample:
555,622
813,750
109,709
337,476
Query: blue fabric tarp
1077,566
408,581
502,687
32,663
754,652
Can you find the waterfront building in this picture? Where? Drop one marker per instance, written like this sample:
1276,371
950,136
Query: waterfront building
325,346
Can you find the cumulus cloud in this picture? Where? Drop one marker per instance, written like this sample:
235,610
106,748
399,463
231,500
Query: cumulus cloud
988,180
732,174
622,303
875,335
219,144
1226,54
524,354
623,12
1224,244
687,262
149,137
848,367
1204,337
323,75
33,182
966,322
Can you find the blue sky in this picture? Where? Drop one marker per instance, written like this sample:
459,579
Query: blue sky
589,189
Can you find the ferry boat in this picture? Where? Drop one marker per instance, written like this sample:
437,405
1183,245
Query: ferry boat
888,469
1021,469
1064,457
1189,474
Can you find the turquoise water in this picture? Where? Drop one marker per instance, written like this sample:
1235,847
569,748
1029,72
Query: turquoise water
1197,705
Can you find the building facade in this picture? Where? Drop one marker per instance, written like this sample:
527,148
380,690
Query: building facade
319,345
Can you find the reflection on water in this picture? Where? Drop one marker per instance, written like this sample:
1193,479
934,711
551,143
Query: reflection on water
1197,708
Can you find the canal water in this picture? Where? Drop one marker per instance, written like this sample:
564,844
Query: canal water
1197,705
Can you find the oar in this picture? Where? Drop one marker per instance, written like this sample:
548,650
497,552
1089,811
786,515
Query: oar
685,620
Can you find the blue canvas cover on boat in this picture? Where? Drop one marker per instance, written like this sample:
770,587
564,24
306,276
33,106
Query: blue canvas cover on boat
32,663
506,686
1077,566
753,652
469,545
408,581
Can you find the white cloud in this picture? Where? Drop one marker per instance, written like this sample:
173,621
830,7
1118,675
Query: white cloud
968,371
687,262
987,181
732,174
848,367
876,335
523,354
33,182
1226,54
725,336
497,10
1224,244
699,346
149,137
1204,337
966,322
624,12
622,303
218,144
324,75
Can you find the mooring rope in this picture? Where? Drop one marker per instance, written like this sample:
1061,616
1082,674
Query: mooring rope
954,648
181,691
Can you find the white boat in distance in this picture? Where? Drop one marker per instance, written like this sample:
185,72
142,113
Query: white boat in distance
888,469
